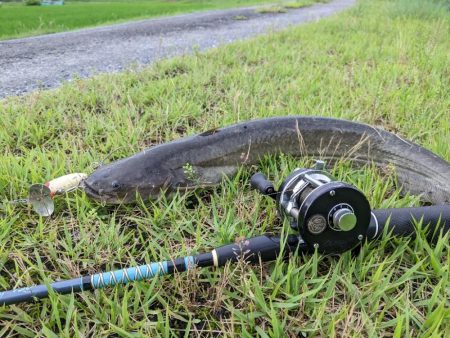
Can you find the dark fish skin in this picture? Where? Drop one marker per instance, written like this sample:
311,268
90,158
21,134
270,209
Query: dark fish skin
203,159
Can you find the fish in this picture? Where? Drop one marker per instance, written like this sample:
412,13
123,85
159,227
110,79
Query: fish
204,159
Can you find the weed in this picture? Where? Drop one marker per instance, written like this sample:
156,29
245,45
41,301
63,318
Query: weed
271,9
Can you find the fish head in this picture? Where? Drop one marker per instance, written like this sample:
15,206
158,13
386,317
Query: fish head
126,181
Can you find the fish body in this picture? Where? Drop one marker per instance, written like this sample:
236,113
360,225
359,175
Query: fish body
203,159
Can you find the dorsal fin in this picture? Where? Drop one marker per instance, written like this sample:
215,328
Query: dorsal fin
210,132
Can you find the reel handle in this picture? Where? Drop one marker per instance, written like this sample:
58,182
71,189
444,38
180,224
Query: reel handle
402,221
259,182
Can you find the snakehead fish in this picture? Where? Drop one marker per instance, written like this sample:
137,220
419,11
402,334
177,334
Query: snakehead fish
213,154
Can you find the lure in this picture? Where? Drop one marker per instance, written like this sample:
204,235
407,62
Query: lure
40,196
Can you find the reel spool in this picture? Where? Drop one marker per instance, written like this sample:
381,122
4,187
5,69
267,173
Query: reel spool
331,216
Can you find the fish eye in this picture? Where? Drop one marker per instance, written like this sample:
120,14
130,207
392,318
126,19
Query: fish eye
115,184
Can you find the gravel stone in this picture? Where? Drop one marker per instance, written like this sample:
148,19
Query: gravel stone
45,61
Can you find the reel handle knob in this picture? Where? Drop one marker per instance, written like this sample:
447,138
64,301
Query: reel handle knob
344,219
259,181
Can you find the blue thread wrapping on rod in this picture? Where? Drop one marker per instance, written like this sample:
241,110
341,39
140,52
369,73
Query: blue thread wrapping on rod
189,262
101,280
111,278
147,271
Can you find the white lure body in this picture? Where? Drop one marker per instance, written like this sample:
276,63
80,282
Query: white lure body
65,183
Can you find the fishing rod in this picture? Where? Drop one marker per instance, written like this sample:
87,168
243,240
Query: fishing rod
329,216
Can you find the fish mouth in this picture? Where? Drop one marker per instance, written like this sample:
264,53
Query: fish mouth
102,197
93,193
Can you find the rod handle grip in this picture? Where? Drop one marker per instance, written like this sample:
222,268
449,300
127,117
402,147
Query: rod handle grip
401,221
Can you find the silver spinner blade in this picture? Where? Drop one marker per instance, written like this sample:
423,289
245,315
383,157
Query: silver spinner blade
40,198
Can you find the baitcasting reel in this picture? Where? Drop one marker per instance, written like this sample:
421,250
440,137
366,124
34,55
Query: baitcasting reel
331,216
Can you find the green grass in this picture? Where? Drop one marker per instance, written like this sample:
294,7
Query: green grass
383,62
302,3
272,9
17,20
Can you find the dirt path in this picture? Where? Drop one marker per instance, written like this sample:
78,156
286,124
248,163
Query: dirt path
45,61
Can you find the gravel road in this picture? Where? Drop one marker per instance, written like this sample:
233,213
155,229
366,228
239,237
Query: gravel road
45,61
